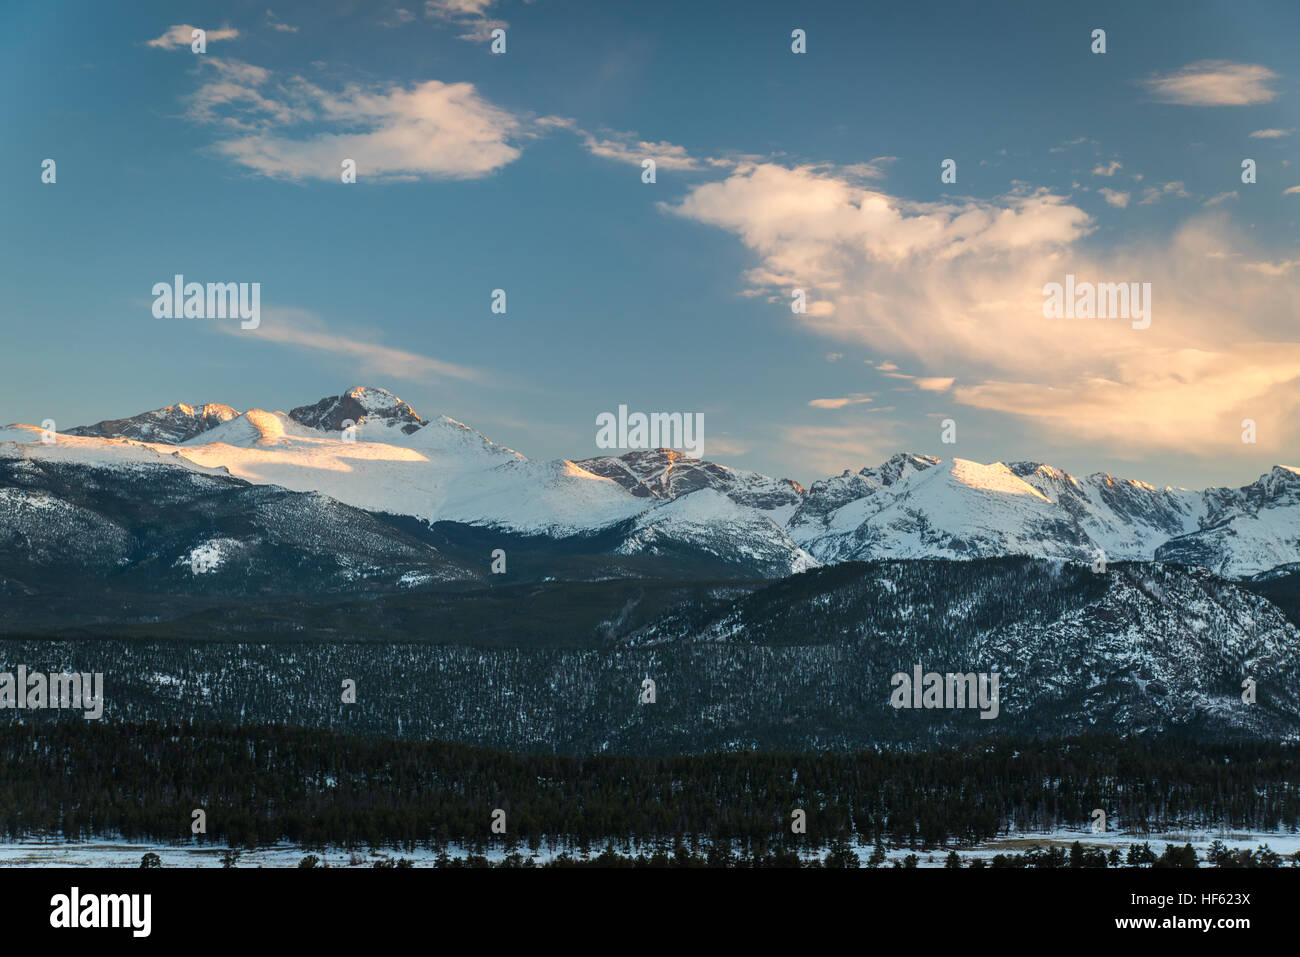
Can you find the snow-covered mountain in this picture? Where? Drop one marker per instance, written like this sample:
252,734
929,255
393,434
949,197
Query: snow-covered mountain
1247,531
368,449
917,506
669,474
170,425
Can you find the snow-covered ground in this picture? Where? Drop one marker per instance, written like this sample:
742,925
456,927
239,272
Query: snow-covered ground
126,854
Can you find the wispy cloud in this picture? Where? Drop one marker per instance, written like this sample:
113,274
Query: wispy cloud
1214,83
934,383
829,449
182,35
872,169
399,17
275,23
303,330
1270,134
469,14
1070,144
1107,169
857,398
626,148
1153,194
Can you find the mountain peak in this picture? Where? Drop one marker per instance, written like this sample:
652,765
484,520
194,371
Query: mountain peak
170,425
897,465
357,404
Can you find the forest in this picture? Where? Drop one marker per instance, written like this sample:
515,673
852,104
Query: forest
262,784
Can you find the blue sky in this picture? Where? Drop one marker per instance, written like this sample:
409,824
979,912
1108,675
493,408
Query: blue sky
522,171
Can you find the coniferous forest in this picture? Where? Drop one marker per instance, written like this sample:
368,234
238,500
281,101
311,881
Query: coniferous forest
270,783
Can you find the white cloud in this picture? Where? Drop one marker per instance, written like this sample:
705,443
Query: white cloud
1107,169
828,450
625,148
301,329
1154,194
857,398
1270,134
872,169
1070,144
275,23
1115,197
431,129
1272,268
470,14
1291,189
1221,197
1214,83
935,383
231,97
957,287
451,9
182,35
400,17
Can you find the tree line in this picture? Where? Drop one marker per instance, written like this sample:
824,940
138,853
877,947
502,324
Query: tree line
264,784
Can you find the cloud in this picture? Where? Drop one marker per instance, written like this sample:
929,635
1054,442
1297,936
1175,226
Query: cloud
857,398
957,288
1270,134
275,23
625,148
471,14
1290,190
1108,169
182,35
719,446
1185,400
429,130
828,450
399,17
1070,144
1272,268
1154,194
230,97
1115,197
302,330
1221,197
1214,83
872,169
935,384
455,9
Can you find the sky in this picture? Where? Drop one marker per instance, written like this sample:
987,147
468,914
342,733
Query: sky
774,171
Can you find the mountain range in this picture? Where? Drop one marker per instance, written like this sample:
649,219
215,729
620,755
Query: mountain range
368,451
181,548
